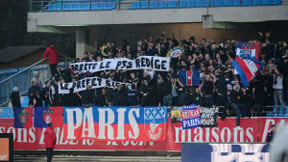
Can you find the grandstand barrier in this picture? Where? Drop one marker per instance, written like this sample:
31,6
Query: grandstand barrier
129,122
21,78
106,5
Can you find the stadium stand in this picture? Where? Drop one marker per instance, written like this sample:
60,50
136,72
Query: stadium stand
81,5
86,5
161,4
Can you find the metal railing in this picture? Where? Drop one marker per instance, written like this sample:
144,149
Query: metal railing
22,80
42,5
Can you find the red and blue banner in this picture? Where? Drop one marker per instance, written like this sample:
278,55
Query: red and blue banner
251,130
189,77
44,115
23,117
248,49
190,117
247,68
115,123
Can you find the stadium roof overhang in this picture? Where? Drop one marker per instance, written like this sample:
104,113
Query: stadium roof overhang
222,17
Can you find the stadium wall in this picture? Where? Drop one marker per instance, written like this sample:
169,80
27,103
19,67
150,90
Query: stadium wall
132,33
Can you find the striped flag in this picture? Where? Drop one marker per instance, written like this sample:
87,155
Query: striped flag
189,77
247,68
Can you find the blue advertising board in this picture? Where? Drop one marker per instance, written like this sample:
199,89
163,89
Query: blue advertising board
205,152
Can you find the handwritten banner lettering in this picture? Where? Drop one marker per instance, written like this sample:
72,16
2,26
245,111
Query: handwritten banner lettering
209,116
143,62
94,82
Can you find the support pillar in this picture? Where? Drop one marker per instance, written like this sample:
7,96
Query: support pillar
80,42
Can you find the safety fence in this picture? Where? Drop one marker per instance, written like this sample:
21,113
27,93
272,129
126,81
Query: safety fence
21,78
125,128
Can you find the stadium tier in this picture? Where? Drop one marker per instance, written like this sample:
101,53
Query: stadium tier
81,6
86,5
155,4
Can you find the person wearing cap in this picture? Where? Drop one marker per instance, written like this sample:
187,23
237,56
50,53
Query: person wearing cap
50,141
53,57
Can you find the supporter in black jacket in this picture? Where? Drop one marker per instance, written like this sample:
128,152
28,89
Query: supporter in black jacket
235,99
88,97
15,98
47,94
271,134
164,91
34,94
246,102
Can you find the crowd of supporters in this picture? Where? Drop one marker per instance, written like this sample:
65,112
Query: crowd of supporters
218,84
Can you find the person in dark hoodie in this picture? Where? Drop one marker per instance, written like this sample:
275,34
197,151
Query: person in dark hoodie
47,93
271,134
164,91
235,100
15,98
89,98
246,102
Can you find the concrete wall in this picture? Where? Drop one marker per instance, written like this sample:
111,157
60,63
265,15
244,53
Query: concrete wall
38,21
132,33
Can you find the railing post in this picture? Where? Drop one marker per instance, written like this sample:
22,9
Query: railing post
42,5
119,4
7,91
30,5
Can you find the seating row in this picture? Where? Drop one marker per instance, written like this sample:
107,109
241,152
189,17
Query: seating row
83,1
81,6
199,3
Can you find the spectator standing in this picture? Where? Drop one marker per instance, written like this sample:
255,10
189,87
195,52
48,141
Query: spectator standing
53,57
15,98
55,97
47,94
89,97
246,103
182,97
278,89
270,135
221,87
207,88
235,100
132,97
165,89
34,94
196,97
50,141
259,90
36,76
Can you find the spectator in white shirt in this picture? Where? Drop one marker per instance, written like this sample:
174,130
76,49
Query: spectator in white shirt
278,88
